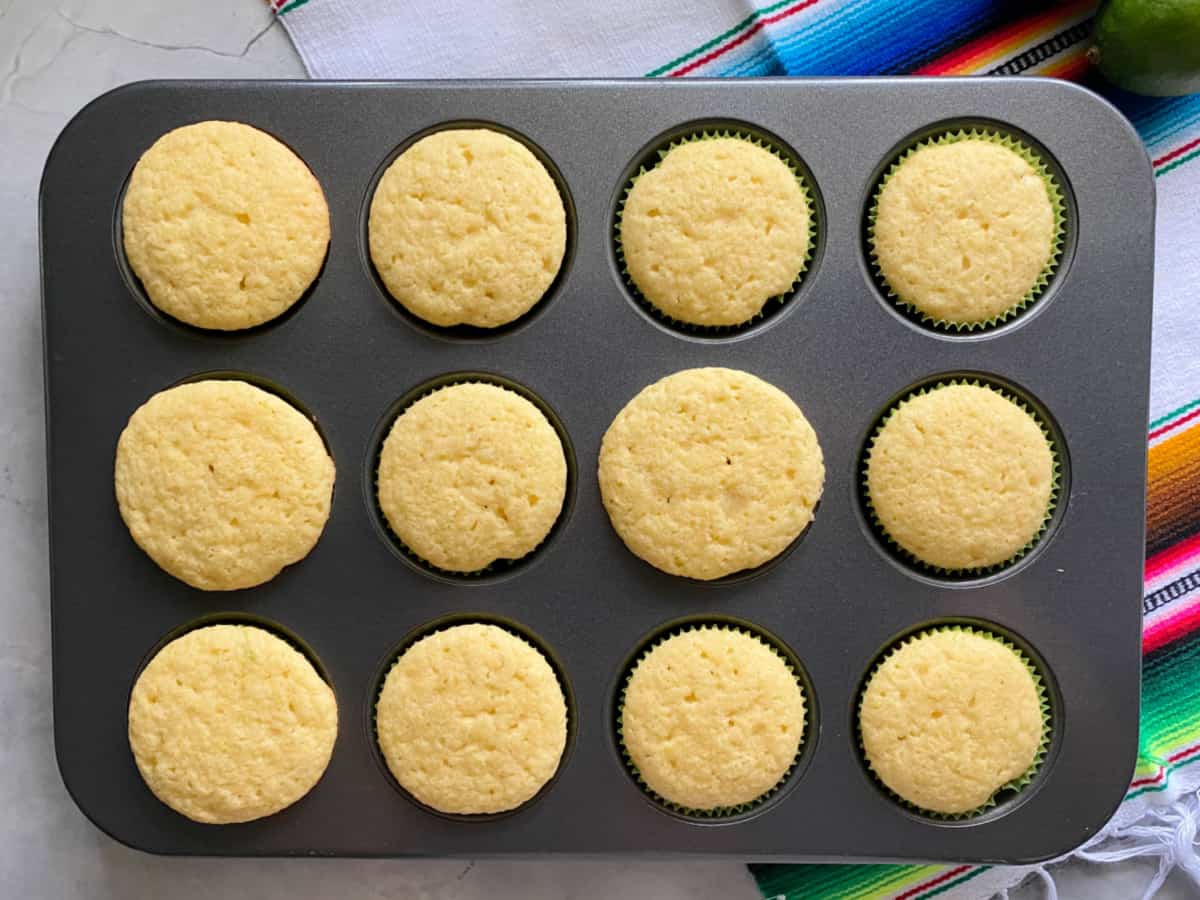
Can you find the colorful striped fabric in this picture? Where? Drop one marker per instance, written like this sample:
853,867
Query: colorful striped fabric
374,38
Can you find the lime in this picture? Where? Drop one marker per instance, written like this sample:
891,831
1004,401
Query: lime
1149,46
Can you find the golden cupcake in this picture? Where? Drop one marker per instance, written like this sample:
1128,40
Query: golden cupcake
711,719
967,229
960,477
719,227
951,717
472,720
229,723
222,484
224,226
709,472
467,227
471,474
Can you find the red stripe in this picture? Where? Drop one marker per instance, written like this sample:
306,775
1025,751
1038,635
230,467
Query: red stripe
945,876
1195,413
1173,758
1162,633
1178,756
1142,782
1178,151
1184,754
1172,556
743,37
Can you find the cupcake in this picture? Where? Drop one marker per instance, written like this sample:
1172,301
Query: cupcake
222,484
224,226
961,478
711,719
467,227
471,475
719,227
966,229
230,723
709,472
951,717
471,720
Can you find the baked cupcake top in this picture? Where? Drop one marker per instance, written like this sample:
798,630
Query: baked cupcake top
471,474
467,228
949,718
960,477
222,484
224,225
472,720
229,723
710,471
965,231
712,232
711,718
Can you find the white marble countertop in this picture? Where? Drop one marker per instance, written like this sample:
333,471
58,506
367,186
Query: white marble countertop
53,59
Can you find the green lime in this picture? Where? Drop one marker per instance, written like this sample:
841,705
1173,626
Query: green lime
1149,46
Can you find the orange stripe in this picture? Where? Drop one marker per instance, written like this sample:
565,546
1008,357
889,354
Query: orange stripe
1173,485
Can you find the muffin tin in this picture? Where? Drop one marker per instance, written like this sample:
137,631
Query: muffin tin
348,354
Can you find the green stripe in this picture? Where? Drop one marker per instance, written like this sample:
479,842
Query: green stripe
740,26
842,882
1175,164
1161,420
839,881
295,4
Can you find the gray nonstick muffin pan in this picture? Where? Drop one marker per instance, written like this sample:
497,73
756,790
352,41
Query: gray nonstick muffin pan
348,355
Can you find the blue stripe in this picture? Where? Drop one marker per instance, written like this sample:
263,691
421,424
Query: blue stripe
870,37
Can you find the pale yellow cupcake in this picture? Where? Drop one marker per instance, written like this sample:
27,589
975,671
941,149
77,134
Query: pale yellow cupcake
709,472
950,717
467,228
719,227
471,474
229,723
472,720
711,719
224,225
966,229
961,477
222,484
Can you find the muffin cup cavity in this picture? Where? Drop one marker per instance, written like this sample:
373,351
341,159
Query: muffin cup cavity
470,333
445,623
499,569
1056,191
804,752
1059,485
1009,794
773,307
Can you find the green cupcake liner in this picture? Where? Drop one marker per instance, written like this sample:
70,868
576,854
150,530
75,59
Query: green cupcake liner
1057,202
719,812
771,305
978,571
498,566
1017,784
